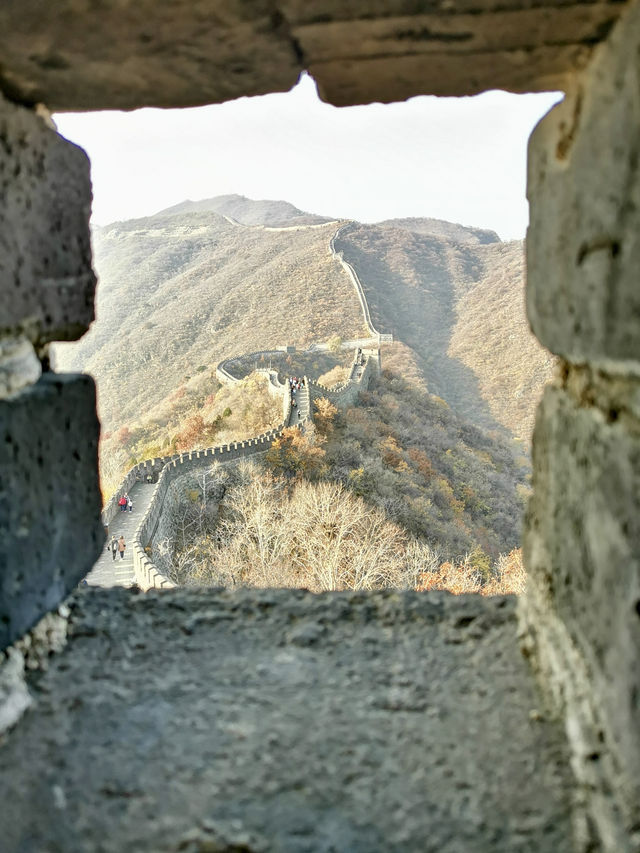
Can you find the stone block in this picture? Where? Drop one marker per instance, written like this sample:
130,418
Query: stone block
46,280
583,243
582,549
114,55
117,55
19,365
50,529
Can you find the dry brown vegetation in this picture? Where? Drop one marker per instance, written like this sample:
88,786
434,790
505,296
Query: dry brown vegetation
493,338
183,290
395,492
507,577
336,376
274,532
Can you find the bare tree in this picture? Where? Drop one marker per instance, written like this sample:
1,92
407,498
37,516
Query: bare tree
341,543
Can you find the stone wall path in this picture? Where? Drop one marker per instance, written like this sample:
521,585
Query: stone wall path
118,572
302,410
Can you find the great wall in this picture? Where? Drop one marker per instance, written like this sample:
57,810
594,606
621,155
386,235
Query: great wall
148,482
193,720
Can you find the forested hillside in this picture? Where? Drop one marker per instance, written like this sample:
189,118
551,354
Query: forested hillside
429,448
178,293
395,491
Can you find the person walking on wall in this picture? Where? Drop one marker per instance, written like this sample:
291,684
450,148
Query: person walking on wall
122,503
113,546
121,546
130,504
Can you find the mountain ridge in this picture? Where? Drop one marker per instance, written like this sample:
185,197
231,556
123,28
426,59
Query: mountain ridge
242,287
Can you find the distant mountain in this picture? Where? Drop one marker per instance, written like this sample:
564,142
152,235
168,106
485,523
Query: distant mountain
444,230
275,214
182,290
492,338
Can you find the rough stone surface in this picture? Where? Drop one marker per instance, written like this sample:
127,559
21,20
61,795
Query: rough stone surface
282,721
583,244
50,530
19,365
46,280
582,550
122,55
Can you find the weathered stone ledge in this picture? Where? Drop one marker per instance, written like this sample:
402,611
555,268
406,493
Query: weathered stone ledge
280,720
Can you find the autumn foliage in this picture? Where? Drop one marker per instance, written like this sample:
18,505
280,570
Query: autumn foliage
277,531
508,577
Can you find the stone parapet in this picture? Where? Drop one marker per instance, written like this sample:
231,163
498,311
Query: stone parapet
46,279
50,531
164,470
276,710
147,574
362,369
124,56
224,368
581,614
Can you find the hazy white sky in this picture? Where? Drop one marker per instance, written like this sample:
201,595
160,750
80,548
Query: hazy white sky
460,159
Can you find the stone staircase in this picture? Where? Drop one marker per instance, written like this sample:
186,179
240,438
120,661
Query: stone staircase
301,412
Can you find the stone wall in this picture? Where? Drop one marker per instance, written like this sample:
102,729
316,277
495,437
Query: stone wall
224,370
166,470
126,55
147,573
582,539
355,280
346,395
50,532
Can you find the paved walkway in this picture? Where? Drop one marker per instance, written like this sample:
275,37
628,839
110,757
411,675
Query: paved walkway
119,572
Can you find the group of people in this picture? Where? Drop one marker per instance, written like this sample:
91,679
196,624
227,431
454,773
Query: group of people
295,384
117,546
124,503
